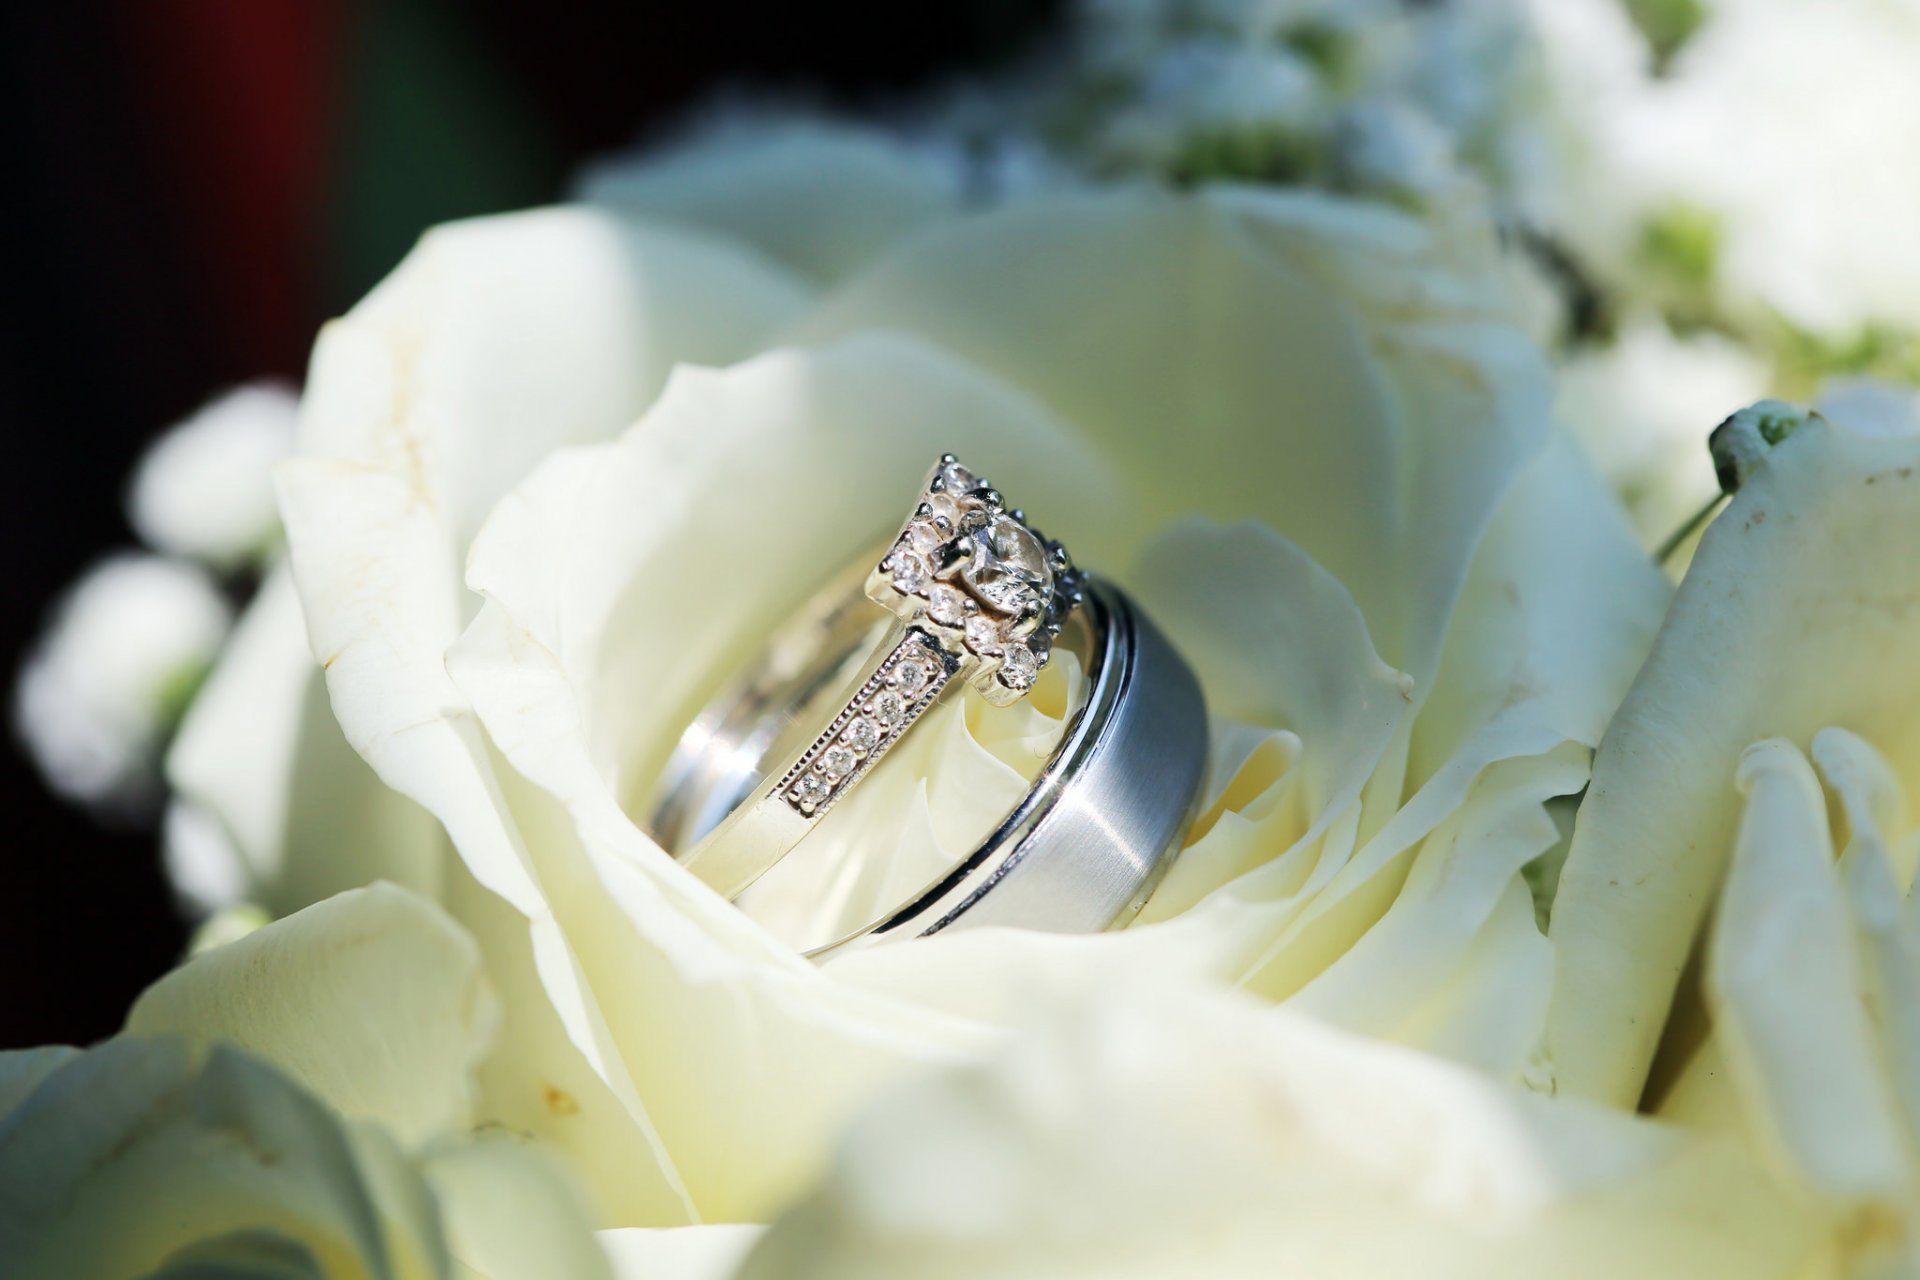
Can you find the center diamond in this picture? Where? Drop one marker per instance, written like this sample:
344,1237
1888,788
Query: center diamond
1009,566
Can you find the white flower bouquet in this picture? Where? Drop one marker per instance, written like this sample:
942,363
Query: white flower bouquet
1546,907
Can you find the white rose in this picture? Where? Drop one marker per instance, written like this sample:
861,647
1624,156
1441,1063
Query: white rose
1413,609
296,1103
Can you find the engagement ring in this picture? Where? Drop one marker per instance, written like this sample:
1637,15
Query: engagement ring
980,600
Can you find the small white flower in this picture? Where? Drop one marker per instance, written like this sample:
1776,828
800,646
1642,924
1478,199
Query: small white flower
1776,133
205,868
1206,94
113,672
204,490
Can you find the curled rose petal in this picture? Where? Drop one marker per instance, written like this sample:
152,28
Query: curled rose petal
1798,613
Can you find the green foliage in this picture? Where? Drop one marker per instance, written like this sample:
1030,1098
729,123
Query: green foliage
1251,154
1681,245
1330,50
1667,24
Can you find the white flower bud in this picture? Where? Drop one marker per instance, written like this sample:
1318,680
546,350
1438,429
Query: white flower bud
110,677
204,490
206,868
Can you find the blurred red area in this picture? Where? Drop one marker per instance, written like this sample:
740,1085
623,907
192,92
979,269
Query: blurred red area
241,98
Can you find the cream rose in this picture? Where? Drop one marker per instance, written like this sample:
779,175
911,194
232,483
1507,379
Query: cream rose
296,1103
562,469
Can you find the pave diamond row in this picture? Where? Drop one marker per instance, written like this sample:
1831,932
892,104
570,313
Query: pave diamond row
907,683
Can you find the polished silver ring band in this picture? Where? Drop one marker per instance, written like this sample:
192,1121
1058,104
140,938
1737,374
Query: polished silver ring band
1082,850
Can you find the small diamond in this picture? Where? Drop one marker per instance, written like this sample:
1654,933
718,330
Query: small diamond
838,761
1007,594
957,479
889,708
912,677
910,571
810,791
861,735
1018,669
949,605
945,508
983,635
923,537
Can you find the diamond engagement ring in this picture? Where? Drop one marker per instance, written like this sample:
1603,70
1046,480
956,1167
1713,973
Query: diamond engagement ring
980,599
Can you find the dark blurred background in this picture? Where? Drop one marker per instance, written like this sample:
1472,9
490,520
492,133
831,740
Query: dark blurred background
192,186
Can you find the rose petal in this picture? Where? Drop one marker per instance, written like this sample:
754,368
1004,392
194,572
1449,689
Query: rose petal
1877,876
1796,614
1183,1134
22,1070
373,999
1785,975
1456,963
536,1081
509,1214
686,1253
304,814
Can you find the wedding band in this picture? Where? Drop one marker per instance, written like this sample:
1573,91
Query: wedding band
978,599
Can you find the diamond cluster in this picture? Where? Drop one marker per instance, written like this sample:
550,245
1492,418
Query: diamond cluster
906,684
981,578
